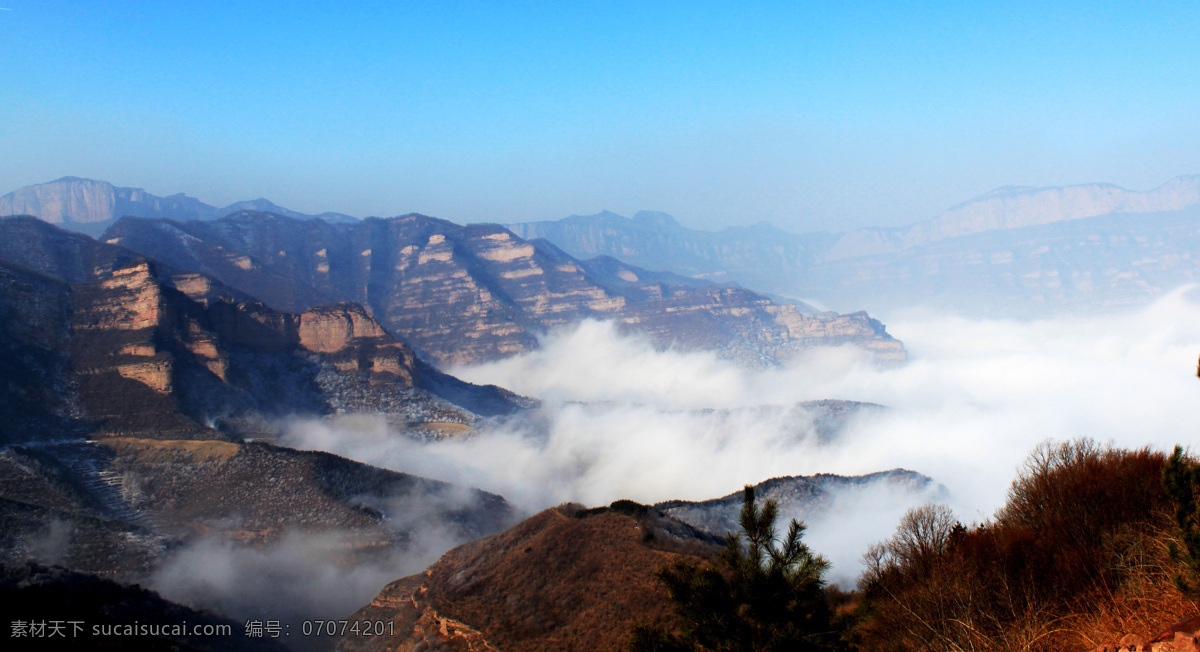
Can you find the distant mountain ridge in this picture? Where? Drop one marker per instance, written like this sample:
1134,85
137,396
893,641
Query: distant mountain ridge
1011,252
1012,207
89,206
803,498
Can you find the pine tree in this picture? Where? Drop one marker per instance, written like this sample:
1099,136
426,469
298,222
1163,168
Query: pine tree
762,594
1181,477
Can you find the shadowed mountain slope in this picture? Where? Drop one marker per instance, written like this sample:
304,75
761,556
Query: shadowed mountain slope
130,354
104,609
121,506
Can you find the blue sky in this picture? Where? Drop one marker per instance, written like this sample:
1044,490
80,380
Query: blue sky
807,115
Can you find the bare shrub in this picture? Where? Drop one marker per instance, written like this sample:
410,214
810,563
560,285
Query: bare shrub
1081,538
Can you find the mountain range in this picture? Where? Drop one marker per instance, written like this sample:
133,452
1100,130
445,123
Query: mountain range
463,294
1015,251
89,206
145,376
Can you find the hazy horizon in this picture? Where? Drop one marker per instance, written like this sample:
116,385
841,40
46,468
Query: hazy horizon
683,221
808,118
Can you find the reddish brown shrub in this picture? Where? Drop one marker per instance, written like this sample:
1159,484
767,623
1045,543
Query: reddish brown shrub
1057,553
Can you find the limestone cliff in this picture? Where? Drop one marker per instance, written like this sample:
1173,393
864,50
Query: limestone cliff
83,201
128,354
462,294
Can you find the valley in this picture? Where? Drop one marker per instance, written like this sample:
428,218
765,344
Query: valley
599,327
486,441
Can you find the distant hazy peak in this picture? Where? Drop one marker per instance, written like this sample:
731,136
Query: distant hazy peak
72,201
654,218
260,204
602,216
1014,207
264,205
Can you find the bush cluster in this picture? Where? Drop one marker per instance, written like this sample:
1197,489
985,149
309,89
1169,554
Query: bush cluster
1078,547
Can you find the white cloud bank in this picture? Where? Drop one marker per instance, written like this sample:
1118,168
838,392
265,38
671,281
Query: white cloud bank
622,420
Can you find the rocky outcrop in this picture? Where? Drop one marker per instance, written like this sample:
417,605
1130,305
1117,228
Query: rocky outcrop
564,579
1183,636
38,246
462,294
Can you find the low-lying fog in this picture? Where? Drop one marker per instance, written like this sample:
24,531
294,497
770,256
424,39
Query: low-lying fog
621,420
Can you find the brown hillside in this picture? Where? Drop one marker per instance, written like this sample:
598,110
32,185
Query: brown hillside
560,580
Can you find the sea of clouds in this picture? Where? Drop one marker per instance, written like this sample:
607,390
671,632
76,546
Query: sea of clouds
620,419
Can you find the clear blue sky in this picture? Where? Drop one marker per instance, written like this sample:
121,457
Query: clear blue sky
809,115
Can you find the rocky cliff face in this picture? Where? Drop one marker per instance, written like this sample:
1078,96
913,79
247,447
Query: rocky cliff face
129,354
72,200
68,257
563,579
468,293
152,360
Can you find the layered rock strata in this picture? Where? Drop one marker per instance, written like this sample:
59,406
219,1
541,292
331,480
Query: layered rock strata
464,294
128,354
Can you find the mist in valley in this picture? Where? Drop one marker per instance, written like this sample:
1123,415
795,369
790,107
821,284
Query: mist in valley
313,576
620,419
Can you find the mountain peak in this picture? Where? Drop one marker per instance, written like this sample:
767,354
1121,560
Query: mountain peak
654,218
603,215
